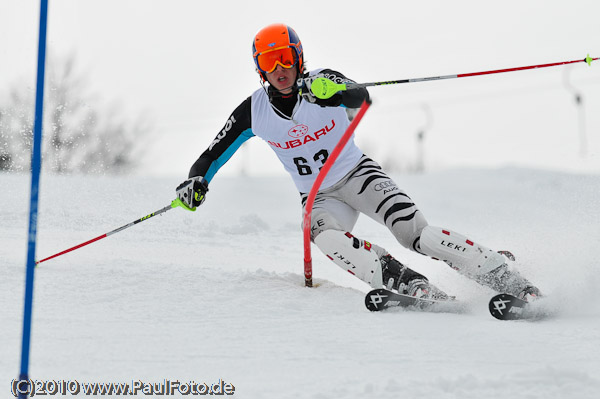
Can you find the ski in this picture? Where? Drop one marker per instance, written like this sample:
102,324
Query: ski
381,299
501,306
509,307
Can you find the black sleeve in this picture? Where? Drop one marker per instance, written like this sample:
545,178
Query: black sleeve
237,129
349,98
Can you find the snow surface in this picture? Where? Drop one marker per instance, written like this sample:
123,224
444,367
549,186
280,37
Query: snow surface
218,294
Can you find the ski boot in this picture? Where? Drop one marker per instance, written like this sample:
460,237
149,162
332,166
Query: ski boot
529,293
509,281
407,281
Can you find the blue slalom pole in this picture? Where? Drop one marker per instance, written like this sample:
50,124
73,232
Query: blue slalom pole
36,165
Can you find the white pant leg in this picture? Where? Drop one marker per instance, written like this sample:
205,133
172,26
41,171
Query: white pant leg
330,213
368,189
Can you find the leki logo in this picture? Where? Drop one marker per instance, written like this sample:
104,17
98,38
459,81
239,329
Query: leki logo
500,305
376,299
298,131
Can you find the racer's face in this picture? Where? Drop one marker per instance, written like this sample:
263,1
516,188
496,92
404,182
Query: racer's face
282,79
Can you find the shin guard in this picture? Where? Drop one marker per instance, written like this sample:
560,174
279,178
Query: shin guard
466,256
351,254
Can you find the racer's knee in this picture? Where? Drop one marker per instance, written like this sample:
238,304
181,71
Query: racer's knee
408,233
323,220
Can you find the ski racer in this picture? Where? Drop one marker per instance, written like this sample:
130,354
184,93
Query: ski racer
302,130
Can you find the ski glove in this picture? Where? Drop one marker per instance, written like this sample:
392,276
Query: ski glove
192,192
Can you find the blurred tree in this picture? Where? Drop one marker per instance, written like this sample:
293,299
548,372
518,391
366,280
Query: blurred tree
78,135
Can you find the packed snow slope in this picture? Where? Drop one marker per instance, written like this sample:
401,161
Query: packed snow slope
218,293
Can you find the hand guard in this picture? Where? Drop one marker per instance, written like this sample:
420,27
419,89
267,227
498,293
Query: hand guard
192,192
307,93
304,85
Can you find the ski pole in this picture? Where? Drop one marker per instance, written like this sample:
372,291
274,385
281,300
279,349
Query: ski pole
174,204
324,88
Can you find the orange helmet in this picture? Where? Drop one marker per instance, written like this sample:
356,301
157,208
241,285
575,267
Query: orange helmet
277,44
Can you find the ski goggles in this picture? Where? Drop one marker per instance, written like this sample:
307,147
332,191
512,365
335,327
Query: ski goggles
268,60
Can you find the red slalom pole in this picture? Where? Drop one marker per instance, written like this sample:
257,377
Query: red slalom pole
174,204
315,188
